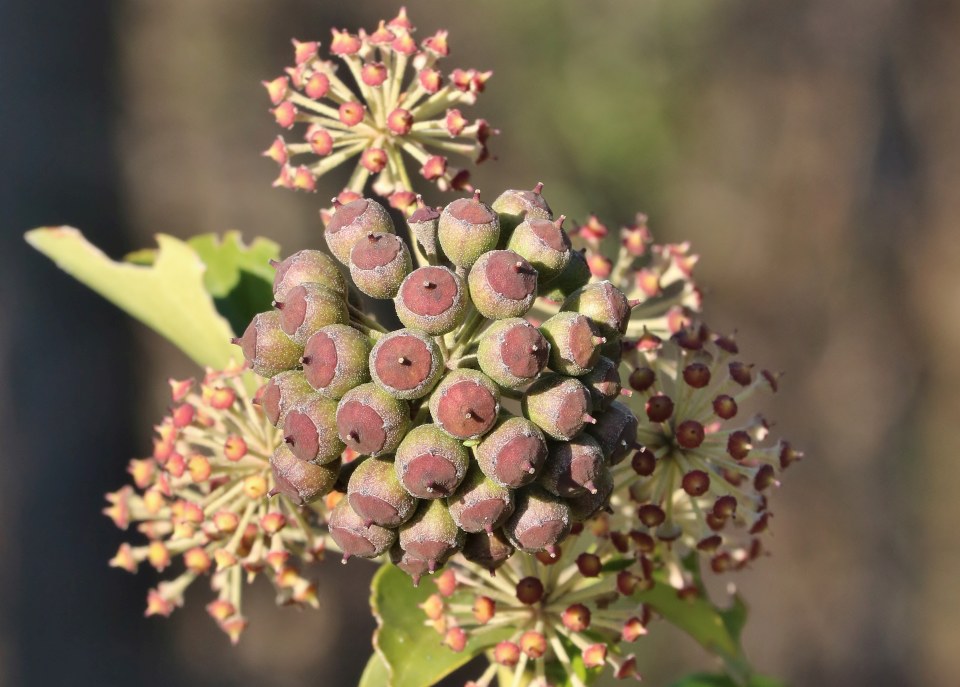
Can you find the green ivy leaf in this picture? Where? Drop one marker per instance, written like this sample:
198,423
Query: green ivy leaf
169,296
708,680
376,673
411,649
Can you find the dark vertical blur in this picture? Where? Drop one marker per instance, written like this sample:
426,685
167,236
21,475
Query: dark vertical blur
809,149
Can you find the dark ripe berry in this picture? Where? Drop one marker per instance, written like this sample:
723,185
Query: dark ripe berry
265,346
431,534
515,206
589,564
544,243
335,360
739,445
696,375
354,536
423,225
353,221
788,455
307,266
615,431
406,364
572,467
430,463
467,229
587,505
659,408
573,343
282,393
502,284
539,522
644,462
765,478
573,277
741,373
487,551
465,404
603,303
378,264
299,481
513,453
479,504
642,379
310,430
725,507
512,352
529,590
376,495
370,421
651,515
432,299
558,405
689,434
603,381
309,307
725,407
696,482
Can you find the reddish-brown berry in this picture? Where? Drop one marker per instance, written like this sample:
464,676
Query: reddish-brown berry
513,453
283,392
467,229
539,522
266,347
335,360
430,463
310,430
487,551
370,421
353,221
502,284
376,495
512,352
479,504
379,263
431,534
558,405
354,536
432,299
572,467
307,266
309,307
544,243
299,481
574,345
465,404
406,364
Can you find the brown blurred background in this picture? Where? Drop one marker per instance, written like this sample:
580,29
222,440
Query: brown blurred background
810,150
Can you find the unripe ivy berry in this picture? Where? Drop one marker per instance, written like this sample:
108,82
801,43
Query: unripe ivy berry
467,229
487,551
615,431
574,345
432,299
585,506
574,276
430,463
356,538
539,522
502,284
423,225
307,266
335,360
266,347
353,221
612,349
310,430
309,307
603,381
512,352
431,534
544,243
465,404
377,496
513,453
378,264
299,481
479,504
406,364
282,393
572,467
370,421
558,405
603,303
514,206
414,567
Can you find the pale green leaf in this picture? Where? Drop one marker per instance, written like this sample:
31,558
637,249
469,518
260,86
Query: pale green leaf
375,674
168,296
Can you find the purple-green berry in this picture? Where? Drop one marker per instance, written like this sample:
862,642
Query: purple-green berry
467,229
514,206
377,496
480,504
371,421
309,307
572,467
544,243
512,352
307,266
430,463
574,345
299,481
406,364
465,404
335,360
603,381
432,299
574,276
615,431
489,551
310,430
379,263
603,303
539,522
431,534
282,393
423,225
513,453
353,221
586,505
502,284
354,536
266,347
414,567
558,405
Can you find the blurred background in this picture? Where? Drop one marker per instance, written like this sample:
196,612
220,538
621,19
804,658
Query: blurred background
809,149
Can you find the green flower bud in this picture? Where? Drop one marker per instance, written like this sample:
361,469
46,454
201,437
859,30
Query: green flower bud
574,276
574,345
514,206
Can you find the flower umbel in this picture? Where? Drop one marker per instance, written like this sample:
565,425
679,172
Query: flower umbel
399,105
